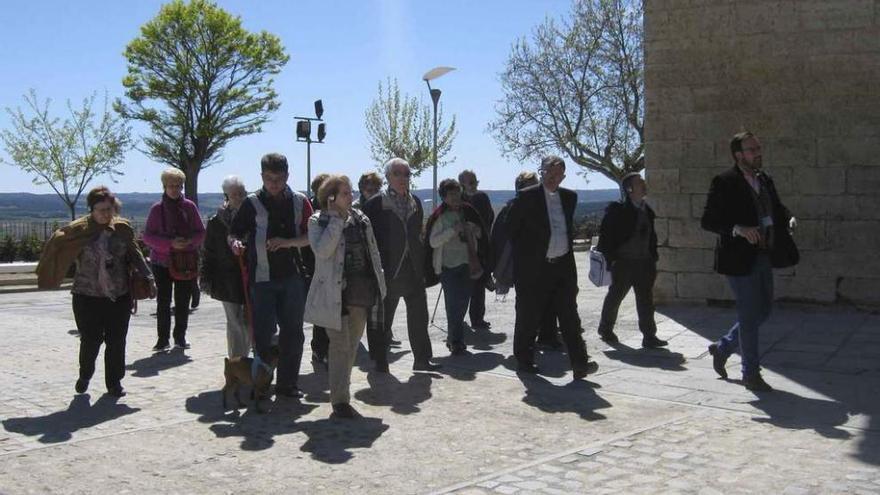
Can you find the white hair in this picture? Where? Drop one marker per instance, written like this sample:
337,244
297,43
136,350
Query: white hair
232,181
390,164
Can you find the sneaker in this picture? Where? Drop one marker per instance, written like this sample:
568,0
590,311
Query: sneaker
653,342
756,383
718,360
345,411
81,386
181,344
161,345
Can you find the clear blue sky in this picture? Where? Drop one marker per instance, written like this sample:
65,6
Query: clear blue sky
339,50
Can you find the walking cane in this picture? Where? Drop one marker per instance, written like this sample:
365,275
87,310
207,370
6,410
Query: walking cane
439,295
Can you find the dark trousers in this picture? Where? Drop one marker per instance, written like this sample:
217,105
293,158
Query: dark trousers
457,292
100,320
549,331
638,275
182,293
412,290
556,284
477,309
282,303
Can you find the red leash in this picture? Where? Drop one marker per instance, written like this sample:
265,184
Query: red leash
248,307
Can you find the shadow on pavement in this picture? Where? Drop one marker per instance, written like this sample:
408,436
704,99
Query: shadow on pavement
832,352
60,426
577,397
365,364
153,364
483,339
257,430
466,366
402,397
554,364
331,439
663,359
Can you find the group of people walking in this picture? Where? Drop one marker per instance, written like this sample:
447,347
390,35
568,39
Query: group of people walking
277,258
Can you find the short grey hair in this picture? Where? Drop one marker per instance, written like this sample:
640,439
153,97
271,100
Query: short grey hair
390,164
232,181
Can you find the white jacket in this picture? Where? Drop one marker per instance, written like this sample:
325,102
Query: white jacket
324,301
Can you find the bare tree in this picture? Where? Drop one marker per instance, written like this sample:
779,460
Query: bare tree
577,88
398,126
66,155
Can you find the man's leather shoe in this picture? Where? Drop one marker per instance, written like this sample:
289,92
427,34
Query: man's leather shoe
581,373
653,342
609,337
81,386
288,391
344,410
718,360
161,345
117,391
756,383
481,325
425,366
527,368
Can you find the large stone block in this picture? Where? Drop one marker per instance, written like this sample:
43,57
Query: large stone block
790,152
863,180
837,264
685,260
698,204
859,236
664,288
670,205
699,154
704,286
663,154
860,290
661,227
849,152
821,15
697,180
662,180
811,235
686,233
807,289
819,180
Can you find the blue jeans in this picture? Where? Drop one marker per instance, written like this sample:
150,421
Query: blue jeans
754,301
282,303
457,288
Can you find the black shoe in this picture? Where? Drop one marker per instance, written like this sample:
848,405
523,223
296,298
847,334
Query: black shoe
381,366
318,360
345,411
481,325
288,391
161,345
425,366
756,383
718,360
527,368
609,337
653,342
581,373
181,344
81,386
116,391
196,298
456,349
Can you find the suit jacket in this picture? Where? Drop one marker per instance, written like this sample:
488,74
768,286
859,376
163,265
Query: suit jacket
730,202
529,229
618,225
397,239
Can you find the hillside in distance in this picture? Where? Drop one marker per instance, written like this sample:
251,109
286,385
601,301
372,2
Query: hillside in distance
27,206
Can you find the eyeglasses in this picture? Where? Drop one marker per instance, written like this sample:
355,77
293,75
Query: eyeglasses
398,173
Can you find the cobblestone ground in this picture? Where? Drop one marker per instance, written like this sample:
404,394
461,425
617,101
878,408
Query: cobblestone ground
655,421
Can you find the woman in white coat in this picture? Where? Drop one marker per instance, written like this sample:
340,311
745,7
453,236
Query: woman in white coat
347,283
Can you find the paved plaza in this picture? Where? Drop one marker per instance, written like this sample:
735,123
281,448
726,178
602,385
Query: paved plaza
650,421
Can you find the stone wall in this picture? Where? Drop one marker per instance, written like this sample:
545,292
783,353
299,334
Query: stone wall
805,76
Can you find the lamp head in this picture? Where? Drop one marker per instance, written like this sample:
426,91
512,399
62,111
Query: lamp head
303,129
322,132
319,108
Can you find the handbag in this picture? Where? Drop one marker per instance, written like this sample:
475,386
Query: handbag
183,265
600,272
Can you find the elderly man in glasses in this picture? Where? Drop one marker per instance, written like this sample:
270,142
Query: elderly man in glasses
397,218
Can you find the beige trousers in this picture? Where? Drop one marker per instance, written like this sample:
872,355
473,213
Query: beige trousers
238,337
343,349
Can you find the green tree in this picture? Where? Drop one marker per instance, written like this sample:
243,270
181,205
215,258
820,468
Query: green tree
67,155
398,126
199,79
577,88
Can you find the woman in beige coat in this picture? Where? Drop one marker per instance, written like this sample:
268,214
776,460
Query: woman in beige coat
348,282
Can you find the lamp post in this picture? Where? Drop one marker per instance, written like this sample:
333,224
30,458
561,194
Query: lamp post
304,135
435,98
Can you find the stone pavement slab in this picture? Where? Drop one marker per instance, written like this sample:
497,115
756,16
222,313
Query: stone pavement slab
650,421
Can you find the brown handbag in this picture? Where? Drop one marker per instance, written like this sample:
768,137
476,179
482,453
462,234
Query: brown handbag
183,265
138,285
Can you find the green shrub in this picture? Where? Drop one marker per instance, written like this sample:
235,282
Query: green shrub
8,249
29,248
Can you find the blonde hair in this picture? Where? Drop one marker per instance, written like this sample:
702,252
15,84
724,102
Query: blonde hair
331,186
172,174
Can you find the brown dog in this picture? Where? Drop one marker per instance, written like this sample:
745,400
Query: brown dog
238,372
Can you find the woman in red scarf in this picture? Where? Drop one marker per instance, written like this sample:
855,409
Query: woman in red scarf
173,225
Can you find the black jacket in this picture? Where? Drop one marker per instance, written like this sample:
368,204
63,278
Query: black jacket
390,232
618,225
483,248
221,274
529,229
730,202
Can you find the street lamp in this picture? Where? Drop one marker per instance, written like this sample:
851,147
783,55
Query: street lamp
435,97
304,135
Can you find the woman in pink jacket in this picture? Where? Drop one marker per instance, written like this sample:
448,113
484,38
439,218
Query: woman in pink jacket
174,224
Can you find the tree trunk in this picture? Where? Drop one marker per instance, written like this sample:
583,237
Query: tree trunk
72,207
192,183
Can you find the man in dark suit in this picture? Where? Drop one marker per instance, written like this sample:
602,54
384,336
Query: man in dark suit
480,201
752,224
628,241
541,228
